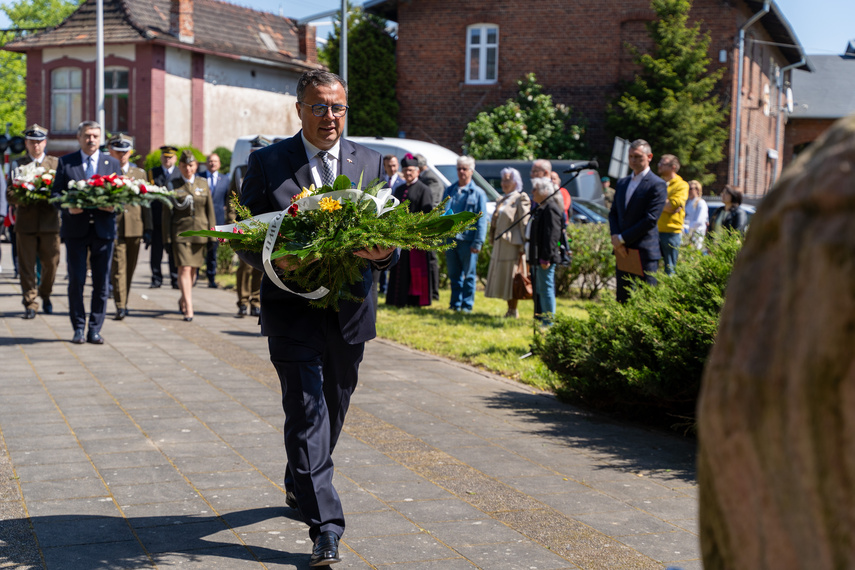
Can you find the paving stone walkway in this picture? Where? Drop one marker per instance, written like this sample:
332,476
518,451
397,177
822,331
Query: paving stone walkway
163,448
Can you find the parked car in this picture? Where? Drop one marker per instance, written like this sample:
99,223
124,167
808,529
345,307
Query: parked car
587,212
587,185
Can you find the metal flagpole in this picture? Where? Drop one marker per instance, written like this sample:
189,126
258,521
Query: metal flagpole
343,52
99,70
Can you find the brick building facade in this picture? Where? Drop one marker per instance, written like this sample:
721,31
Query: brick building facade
576,51
181,72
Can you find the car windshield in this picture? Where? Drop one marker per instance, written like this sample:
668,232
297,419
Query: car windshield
598,208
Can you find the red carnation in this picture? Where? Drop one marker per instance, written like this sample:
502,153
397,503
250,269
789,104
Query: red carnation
293,209
142,189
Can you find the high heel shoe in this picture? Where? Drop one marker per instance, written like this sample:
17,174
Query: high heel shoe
188,319
181,308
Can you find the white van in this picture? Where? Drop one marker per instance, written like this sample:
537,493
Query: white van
441,161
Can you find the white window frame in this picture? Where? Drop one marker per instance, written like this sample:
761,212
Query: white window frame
482,49
68,123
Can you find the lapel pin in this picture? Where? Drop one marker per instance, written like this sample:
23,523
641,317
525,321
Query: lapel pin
350,161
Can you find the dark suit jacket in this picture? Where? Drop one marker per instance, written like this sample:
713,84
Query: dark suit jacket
220,195
70,167
430,180
275,174
636,221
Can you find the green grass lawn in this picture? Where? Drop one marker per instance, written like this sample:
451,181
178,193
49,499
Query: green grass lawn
483,338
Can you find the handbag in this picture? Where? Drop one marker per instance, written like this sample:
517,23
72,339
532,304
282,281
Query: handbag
522,288
565,258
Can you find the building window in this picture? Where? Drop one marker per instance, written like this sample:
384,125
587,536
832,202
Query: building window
116,99
482,53
65,99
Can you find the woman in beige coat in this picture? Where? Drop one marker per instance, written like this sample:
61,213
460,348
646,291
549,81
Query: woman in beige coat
192,209
508,249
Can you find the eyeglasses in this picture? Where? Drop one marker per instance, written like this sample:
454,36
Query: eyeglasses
320,110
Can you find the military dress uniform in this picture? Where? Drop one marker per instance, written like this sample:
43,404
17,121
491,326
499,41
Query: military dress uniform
159,177
192,209
247,278
131,225
37,233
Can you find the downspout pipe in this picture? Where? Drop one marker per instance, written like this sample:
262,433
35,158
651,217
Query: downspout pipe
737,135
781,76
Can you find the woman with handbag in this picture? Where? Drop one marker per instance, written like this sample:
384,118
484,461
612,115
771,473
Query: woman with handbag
508,258
545,233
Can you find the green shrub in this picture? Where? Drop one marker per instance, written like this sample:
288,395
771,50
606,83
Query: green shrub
593,261
225,259
645,358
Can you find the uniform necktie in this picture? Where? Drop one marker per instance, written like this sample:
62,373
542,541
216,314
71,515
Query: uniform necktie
328,176
88,171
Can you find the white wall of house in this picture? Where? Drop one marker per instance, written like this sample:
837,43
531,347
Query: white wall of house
178,97
87,53
243,98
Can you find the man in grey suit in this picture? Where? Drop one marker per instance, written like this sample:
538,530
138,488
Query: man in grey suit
316,352
218,184
638,203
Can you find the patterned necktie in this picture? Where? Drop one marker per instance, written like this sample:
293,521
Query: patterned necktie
88,171
328,176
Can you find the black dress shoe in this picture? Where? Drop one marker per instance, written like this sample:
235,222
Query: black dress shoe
291,499
29,313
325,551
155,285
79,337
120,314
188,319
255,311
95,338
175,284
212,284
47,306
241,311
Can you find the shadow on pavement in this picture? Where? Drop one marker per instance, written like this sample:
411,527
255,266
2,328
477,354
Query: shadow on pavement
632,448
73,542
12,341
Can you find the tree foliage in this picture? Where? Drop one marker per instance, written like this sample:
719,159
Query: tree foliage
528,127
672,102
24,15
371,73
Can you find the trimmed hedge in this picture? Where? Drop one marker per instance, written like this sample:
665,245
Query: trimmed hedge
644,359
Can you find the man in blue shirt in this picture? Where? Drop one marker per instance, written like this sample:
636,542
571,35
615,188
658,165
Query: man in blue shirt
462,259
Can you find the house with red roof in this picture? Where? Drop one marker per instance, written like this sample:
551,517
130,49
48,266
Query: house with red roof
200,72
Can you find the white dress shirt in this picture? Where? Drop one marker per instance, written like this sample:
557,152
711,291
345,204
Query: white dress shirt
95,156
315,162
633,184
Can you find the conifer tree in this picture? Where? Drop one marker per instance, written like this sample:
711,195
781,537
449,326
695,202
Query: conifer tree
371,73
672,102
528,127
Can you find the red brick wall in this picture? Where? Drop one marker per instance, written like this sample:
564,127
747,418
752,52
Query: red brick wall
579,60
800,132
151,67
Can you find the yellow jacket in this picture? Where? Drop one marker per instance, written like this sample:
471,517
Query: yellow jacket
678,193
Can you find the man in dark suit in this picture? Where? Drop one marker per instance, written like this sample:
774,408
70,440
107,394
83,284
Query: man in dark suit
218,184
638,203
430,180
316,352
164,175
87,232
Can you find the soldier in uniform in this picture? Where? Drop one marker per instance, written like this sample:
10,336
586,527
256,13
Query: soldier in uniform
193,209
132,225
165,175
248,279
37,230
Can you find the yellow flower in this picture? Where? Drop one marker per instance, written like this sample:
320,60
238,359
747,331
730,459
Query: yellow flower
305,193
329,205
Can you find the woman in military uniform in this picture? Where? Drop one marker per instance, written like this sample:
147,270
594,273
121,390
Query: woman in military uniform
192,209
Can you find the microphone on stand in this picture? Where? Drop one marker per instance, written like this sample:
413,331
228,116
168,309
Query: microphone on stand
576,167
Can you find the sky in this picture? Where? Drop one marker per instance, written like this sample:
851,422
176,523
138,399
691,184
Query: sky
823,26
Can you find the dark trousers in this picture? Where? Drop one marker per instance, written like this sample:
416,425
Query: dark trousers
156,260
211,260
100,253
625,281
318,371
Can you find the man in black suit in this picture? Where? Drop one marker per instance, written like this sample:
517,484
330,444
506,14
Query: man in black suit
164,175
316,352
218,184
87,232
638,203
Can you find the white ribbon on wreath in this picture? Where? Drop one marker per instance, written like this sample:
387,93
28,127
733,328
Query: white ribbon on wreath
274,221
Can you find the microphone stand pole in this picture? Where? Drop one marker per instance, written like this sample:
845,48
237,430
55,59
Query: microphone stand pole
563,184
